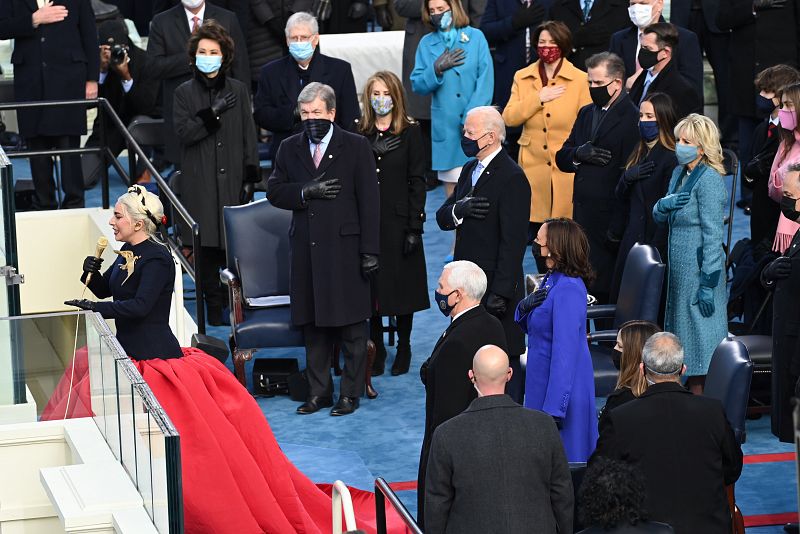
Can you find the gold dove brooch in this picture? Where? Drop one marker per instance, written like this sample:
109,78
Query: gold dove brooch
130,262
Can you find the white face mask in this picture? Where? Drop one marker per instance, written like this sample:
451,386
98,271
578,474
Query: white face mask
476,389
192,4
640,14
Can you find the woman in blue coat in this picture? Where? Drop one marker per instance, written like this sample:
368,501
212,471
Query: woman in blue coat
693,210
453,64
559,379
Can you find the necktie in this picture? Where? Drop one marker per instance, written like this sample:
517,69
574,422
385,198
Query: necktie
645,88
195,24
587,7
476,173
317,155
769,130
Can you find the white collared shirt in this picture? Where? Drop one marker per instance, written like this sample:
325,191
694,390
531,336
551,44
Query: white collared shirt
485,162
459,314
127,85
200,14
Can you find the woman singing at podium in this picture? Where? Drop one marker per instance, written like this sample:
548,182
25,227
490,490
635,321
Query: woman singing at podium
235,477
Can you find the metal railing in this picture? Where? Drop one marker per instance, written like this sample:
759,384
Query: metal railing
106,112
383,493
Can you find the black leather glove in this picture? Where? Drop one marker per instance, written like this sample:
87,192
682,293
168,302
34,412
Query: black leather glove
639,172
326,190
369,265
223,103
475,207
384,16
82,304
760,166
448,60
527,16
761,5
532,301
92,265
385,143
588,153
247,192
412,242
357,10
779,269
496,305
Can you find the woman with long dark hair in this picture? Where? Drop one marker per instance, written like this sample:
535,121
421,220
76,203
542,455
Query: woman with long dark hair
788,153
401,287
559,379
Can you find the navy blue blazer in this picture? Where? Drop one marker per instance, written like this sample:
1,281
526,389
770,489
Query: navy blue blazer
689,56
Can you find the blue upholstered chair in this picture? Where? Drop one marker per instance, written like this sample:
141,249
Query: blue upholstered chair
258,280
639,298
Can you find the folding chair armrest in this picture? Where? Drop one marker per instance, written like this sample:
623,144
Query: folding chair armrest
227,277
602,335
601,311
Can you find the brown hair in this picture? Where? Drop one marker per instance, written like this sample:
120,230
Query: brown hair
460,18
633,335
569,249
772,79
793,93
666,34
211,29
615,67
558,31
666,120
400,121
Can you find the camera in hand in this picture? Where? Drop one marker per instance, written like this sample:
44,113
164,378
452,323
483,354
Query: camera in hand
118,53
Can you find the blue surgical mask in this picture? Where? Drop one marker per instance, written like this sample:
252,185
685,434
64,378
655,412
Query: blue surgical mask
301,51
648,130
685,153
441,302
382,105
208,64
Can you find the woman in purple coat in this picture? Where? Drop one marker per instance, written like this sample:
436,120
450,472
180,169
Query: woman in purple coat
559,376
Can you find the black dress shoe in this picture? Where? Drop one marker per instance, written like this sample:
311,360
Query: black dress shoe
314,404
402,359
345,406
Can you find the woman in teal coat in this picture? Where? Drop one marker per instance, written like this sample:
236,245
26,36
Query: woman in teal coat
453,64
694,211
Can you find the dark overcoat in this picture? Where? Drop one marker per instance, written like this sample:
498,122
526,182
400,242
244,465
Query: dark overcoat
51,62
169,61
471,491
402,283
497,243
327,237
216,156
594,202
786,346
670,81
275,104
667,431
591,37
770,37
448,390
765,211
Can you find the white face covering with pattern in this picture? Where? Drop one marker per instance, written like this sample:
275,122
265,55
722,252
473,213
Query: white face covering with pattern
192,4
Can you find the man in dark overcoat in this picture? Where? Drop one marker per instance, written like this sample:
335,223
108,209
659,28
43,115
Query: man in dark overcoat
602,138
55,58
280,82
327,177
166,46
488,211
783,274
448,390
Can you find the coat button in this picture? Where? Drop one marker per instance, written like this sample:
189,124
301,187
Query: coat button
458,95
222,171
544,130
548,164
313,244
545,147
311,214
379,158
219,144
377,170
547,115
44,64
42,39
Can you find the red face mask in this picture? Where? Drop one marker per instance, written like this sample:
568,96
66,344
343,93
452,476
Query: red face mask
549,54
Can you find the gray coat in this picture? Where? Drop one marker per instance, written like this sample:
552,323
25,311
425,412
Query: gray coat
498,467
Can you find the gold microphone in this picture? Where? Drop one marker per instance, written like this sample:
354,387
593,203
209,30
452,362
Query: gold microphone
102,243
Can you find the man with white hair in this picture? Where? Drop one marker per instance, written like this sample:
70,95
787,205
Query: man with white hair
448,390
468,490
281,81
489,211
682,443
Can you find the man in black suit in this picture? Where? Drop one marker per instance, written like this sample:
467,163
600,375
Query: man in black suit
682,443
327,177
602,138
55,58
488,211
783,275
592,22
660,73
282,80
467,488
625,44
448,390
166,46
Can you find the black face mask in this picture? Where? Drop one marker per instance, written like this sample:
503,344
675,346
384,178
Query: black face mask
764,106
436,20
789,208
316,129
536,250
600,95
648,58
470,147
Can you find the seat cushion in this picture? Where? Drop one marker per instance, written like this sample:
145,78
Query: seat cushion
605,373
759,348
267,327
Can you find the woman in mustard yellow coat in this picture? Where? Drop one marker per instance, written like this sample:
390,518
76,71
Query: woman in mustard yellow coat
545,99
